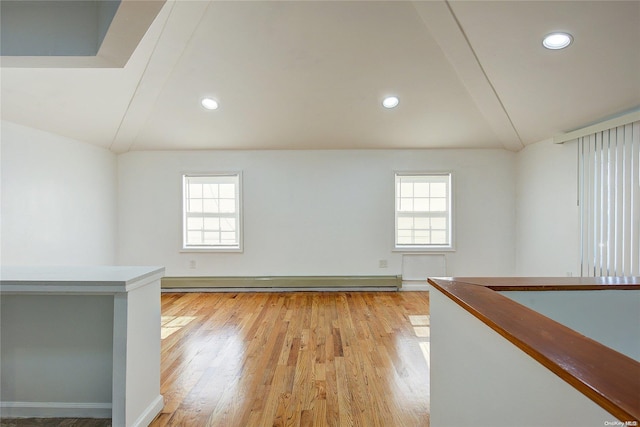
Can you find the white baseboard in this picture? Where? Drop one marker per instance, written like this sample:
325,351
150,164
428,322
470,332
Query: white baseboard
414,285
54,410
150,413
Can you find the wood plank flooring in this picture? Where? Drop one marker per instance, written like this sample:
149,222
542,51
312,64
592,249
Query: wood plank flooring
290,359
295,359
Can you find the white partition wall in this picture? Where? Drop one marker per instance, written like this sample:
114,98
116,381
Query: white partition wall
479,379
81,342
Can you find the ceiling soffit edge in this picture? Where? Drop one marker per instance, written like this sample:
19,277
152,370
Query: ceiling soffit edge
129,25
441,22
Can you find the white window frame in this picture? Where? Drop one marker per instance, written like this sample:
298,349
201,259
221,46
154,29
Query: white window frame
236,246
448,214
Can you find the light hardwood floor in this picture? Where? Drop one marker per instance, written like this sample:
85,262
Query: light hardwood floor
290,359
295,359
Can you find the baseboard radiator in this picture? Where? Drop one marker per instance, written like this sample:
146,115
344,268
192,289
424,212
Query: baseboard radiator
283,282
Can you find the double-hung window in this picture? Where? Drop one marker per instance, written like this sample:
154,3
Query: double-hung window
423,219
212,212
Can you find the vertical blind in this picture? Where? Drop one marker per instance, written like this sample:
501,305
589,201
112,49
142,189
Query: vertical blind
609,199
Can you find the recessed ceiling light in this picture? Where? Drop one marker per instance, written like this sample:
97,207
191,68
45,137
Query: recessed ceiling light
209,103
557,41
390,102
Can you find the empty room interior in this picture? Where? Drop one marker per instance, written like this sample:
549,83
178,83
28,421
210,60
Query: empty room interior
319,213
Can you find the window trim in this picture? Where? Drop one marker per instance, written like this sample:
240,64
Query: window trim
450,247
240,227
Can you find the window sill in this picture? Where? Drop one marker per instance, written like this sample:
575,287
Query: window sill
212,250
424,249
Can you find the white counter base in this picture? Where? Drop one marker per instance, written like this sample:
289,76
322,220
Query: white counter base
81,342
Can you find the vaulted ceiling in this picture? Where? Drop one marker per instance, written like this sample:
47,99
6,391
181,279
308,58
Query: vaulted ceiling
312,75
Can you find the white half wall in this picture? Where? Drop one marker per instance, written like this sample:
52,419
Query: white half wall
58,200
548,228
315,212
480,379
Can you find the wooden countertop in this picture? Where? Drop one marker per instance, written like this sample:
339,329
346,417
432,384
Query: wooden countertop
609,378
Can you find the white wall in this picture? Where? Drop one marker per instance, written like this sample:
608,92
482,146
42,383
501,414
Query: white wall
59,207
58,200
479,379
547,226
315,212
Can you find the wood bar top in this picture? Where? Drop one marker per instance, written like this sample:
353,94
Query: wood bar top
609,378
551,283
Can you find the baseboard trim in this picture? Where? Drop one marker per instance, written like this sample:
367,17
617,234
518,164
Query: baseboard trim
270,282
54,410
150,413
415,285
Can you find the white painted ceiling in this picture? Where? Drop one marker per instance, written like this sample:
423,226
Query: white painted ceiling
312,75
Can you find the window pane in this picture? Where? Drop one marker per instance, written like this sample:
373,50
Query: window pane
438,205
194,237
406,189
421,237
212,224
404,237
421,223
438,189
210,191
228,224
195,205
194,223
406,205
227,206
195,191
228,237
210,206
438,237
421,189
421,205
439,223
405,223
227,191
211,237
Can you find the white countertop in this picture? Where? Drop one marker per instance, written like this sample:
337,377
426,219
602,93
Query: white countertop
76,279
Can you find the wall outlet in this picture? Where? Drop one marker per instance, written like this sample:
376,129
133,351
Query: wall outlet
383,263
192,264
